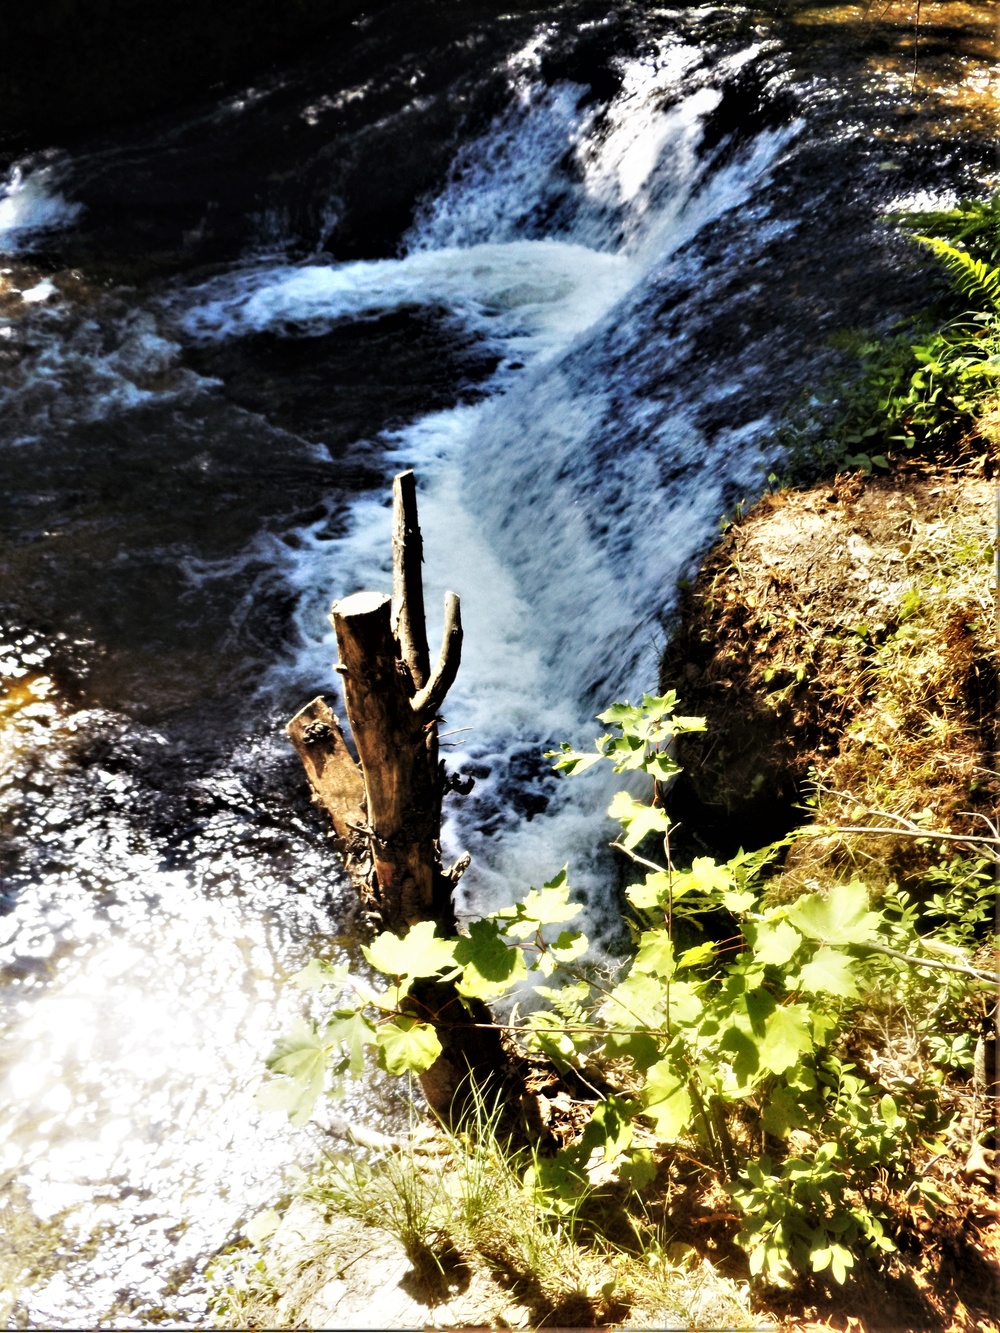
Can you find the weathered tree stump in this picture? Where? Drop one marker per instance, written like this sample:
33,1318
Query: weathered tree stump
387,817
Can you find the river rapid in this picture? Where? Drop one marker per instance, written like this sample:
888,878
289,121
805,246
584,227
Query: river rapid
569,263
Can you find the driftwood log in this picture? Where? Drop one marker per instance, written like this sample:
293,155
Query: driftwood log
387,815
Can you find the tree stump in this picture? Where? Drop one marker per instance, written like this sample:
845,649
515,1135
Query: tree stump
387,817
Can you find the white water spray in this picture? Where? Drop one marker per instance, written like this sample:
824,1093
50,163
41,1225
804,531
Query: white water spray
29,205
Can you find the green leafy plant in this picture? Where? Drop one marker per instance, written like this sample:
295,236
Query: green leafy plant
915,392
726,1035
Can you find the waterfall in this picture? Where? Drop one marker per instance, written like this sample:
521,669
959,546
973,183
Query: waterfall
566,503
571,268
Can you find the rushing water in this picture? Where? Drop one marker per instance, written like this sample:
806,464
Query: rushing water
570,265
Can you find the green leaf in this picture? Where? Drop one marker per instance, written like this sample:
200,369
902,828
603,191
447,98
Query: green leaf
544,964
782,1112
637,1046
297,1050
356,1032
775,942
618,714
638,1169
545,1032
300,1056
840,918
654,707
744,1050
700,953
709,877
972,276
688,724
786,1037
550,1179
841,1259
542,907
568,946
656,954
820,1258
407,1046
634,1002
318,973
418,954
637,819
738,900
575,761
263,1225
654,891
490,967
889,1112
661,765
681,1004
610,1127
760,1005
824,1026
295,1096
829,971
667,1101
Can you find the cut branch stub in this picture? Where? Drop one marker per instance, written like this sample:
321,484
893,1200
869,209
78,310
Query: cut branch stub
333,775
407,580
371,692
398,748
431,697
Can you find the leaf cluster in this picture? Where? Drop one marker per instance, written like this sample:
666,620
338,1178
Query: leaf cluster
725,1036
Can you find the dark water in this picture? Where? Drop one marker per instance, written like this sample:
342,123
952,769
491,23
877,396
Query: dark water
571,264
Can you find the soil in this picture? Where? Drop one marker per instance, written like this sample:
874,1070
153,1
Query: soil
798,642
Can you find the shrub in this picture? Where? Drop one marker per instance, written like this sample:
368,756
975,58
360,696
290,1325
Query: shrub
726,1036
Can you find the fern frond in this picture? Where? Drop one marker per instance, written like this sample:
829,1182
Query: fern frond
972,223
972,276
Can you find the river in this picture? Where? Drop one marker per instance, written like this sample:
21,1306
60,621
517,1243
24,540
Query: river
570,264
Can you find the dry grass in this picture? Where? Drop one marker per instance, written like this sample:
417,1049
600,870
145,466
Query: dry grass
481,1249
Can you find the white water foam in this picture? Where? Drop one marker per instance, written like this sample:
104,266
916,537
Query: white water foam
29,206
531,296
565,564
85,365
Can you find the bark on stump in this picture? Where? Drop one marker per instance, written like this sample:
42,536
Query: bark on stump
387,817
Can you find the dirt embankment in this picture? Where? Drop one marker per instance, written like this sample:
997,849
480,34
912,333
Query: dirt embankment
844,637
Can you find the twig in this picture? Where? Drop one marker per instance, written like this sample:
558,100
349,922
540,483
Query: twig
641,860
977,814
932,962
823,832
